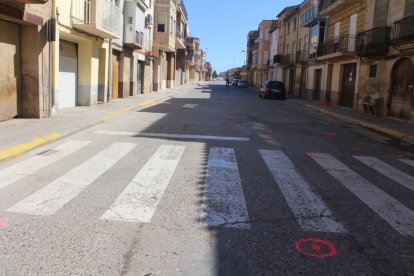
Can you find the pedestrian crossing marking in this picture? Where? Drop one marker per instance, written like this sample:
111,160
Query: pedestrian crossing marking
140,199
400,217
408,162
25,168
388,171
223,198
310,211
52,197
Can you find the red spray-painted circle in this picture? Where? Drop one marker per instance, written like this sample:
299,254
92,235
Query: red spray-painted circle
316,248
2,223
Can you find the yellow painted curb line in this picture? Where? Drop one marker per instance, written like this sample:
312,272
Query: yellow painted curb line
25,147
115,113
387,131
147,103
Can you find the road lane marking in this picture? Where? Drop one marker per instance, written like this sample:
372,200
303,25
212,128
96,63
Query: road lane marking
178,136
408,162
115,113
25,168
25,147
400,217
147,103
52,197
388,171
310,211
139,201
223,199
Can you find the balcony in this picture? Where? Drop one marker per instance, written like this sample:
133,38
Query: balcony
287,60
179,40
340,47
277,59
374,42
328,7
301,57
312,16
97,17
403,32
252,44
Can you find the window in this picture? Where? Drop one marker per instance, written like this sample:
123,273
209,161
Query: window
294,24
288,28
161,22
381,13
171,26
372,71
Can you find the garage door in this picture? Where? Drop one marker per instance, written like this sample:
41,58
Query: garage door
9,69
68,74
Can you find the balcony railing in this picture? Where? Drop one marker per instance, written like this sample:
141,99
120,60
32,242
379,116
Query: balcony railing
98,17
287,60
301,57
340,45
373,42
403,31
252,44
277,59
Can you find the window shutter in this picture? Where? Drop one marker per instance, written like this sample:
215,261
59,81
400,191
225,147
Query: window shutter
409,8
381,13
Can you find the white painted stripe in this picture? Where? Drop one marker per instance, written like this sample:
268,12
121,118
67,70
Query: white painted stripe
52,197
310,211
400,217
178,136
408,162
388,171
223,199
139,201
25,168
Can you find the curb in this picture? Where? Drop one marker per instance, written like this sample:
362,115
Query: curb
383,130
19,149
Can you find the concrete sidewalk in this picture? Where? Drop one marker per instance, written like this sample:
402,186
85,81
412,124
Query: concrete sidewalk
18,136
402,130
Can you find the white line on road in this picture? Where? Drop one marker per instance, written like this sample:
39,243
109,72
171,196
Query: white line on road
408,162
223,199
310,211
25,168
388,171
178,136
139,201
400,217
52,197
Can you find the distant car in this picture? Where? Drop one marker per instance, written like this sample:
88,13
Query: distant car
242,83
272,89
235,82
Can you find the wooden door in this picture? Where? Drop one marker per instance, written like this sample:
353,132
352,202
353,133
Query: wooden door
115,76
318,85
402,79
348,85
9,69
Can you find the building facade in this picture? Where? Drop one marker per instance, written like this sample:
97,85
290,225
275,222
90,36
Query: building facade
386,52
26,56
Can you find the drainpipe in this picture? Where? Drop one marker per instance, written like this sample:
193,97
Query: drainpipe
109,95
52,58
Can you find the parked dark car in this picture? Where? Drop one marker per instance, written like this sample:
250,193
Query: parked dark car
242,83
272,89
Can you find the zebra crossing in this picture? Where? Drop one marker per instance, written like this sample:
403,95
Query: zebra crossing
224,201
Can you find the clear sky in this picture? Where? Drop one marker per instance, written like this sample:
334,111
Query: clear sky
222,26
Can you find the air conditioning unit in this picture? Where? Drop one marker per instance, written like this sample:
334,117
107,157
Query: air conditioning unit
149,19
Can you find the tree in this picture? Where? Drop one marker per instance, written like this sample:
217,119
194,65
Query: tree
214,74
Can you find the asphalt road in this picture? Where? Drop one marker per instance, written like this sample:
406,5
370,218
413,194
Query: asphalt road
215,181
